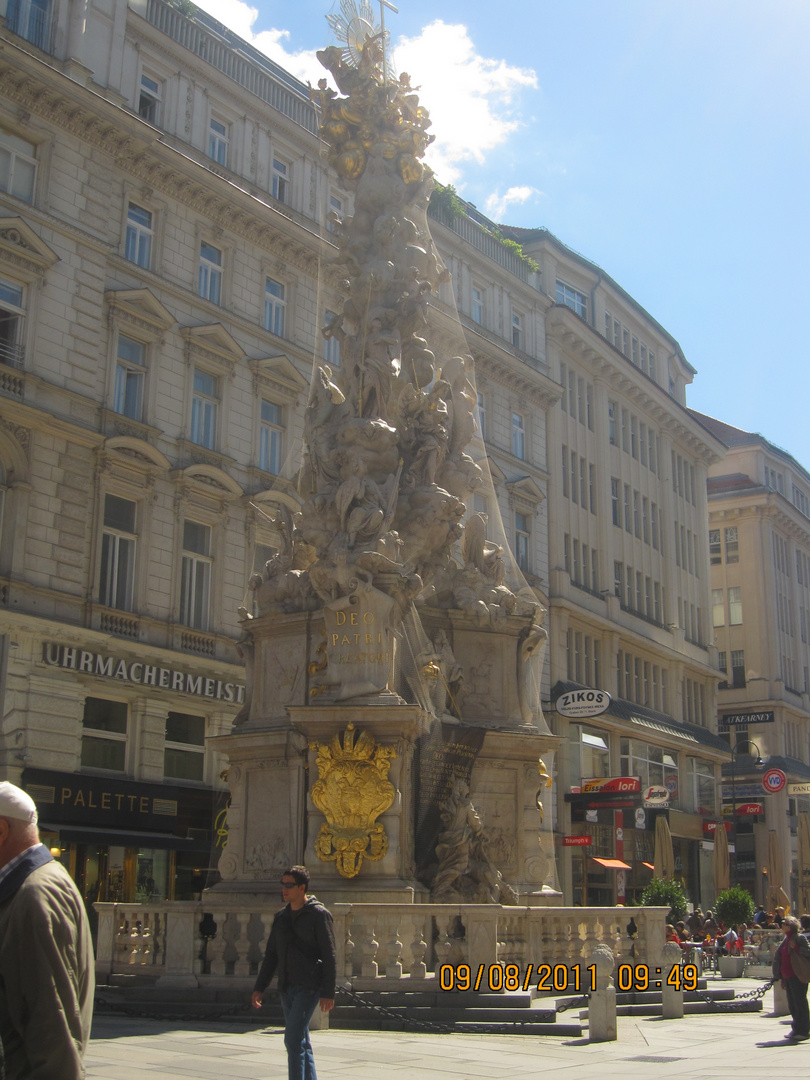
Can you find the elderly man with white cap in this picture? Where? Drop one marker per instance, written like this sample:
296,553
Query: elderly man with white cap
46,953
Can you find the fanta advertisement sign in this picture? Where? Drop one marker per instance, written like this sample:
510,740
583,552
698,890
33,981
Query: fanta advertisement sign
612,783
578,704
656,796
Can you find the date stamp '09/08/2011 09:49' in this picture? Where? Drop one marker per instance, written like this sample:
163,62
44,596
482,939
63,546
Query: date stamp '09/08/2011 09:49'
561,979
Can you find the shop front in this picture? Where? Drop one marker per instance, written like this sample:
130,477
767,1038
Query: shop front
129,842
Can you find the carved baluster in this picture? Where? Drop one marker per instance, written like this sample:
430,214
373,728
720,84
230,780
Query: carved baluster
443,949
418,968
393,949
218,946
241,966
348,969
368,947
136,939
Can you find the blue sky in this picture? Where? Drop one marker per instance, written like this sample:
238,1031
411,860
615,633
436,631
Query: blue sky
666,141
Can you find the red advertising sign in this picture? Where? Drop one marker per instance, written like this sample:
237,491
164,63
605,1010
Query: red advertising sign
710,826
746,808
576,841
612,783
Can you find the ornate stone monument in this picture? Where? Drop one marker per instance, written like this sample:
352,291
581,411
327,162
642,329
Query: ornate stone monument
392,727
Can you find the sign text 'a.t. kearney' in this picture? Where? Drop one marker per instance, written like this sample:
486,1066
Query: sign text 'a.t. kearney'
112,667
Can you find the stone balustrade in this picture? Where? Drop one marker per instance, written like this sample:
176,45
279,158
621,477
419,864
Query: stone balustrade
377,944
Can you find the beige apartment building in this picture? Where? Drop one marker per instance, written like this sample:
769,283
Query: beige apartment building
164,274
759,551
629,585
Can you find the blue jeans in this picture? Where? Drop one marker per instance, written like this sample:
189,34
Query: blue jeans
299,1003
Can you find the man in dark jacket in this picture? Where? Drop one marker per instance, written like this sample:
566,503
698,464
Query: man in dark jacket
301,950
46,955
789,966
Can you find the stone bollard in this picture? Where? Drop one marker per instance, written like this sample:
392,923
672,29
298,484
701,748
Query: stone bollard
672,999
780,1001
602,1004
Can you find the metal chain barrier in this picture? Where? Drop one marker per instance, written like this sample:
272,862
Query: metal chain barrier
739,1002
102,1006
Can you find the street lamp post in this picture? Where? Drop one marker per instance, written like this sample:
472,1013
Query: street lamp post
758,763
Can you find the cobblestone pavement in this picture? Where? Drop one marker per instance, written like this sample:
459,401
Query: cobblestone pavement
743,1046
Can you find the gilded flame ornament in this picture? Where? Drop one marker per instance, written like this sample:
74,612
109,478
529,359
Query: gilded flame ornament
352,791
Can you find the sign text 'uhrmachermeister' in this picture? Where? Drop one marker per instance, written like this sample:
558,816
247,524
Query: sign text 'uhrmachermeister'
86,662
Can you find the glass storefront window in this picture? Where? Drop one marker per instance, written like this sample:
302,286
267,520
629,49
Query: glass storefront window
152,876
701,787
653,765
590,756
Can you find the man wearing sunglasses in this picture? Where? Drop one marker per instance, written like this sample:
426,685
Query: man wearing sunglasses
301,950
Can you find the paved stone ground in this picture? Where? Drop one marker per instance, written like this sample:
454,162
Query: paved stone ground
713,1047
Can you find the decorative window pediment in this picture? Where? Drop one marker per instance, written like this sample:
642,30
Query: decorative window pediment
279,374
140,308
524,494
22,249
208,480
213,344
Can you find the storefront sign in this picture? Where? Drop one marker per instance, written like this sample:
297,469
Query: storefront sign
656,796
576,841
710,826
742,792
799,789
161,678
671,783
743,719
581,704
611,783
773,781
745,809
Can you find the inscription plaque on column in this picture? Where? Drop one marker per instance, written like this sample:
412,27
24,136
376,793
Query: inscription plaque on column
359,643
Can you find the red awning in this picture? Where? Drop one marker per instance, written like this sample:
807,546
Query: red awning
613,864
649,865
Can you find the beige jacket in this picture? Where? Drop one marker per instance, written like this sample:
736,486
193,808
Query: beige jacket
47,978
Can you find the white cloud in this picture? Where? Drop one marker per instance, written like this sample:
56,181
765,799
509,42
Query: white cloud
496,204
469,97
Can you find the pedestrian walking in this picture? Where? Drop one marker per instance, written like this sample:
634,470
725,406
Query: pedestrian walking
46,953
301,951
791,964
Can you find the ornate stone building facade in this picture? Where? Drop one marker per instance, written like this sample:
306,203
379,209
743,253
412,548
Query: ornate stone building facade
164,273
629,584
759,553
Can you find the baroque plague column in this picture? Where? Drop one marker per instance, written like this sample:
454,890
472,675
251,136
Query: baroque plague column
392,734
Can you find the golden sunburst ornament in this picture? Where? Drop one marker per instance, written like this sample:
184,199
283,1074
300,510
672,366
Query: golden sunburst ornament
354,24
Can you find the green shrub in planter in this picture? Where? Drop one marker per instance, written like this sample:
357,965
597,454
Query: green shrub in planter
734,906
660,893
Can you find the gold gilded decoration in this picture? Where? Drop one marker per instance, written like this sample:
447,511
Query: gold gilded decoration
352,791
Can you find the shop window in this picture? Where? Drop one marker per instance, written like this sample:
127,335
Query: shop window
117,553
184,753
104,735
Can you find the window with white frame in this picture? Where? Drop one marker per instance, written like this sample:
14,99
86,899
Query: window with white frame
591,755
335,211
734,606
517,330
718,608
702,786
518,436
275,307
140,231
271,437
522,535
331,344
281,180
104,735
184,747
652,764
477,311
149,98
118,542
18,166
130,375
204,407
572,298
195,575
32,20
210,277
262,554
218,139
12,321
